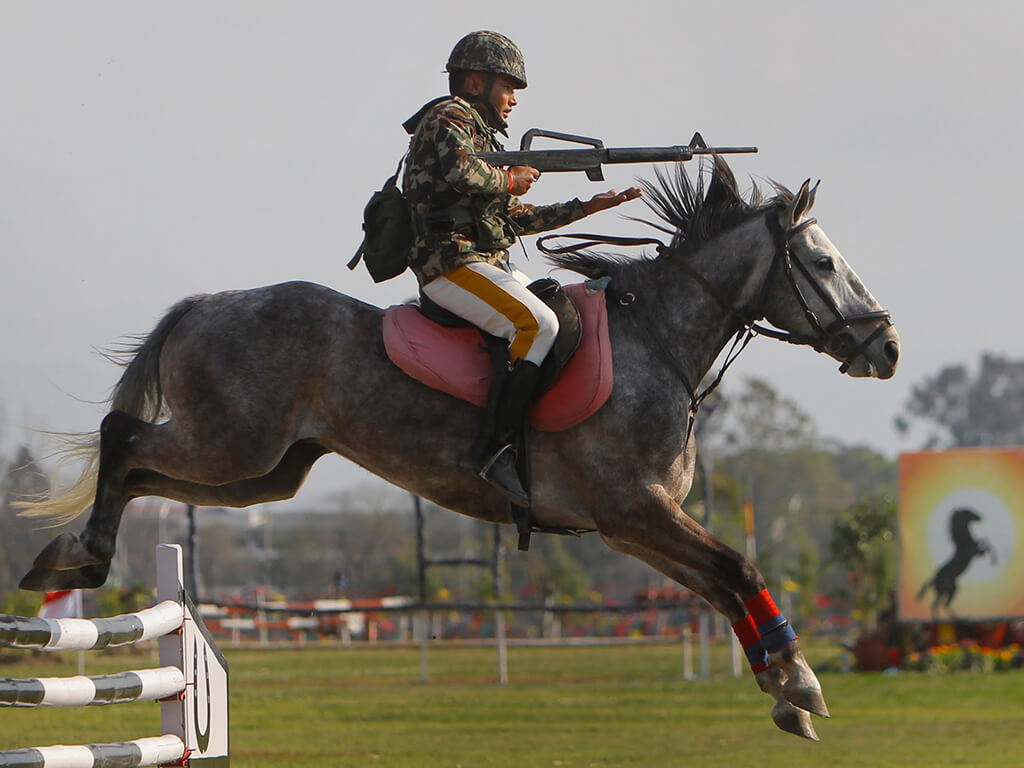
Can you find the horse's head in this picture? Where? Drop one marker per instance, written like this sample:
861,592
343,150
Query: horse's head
814,295
962,518
804,286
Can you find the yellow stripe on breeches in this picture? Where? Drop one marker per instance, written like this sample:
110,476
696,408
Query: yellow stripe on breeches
498,302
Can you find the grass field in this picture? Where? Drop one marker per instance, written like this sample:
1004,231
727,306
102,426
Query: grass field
595,706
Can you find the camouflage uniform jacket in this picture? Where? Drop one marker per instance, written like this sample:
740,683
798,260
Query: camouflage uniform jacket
461,209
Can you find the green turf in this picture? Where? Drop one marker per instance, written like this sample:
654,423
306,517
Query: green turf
602,706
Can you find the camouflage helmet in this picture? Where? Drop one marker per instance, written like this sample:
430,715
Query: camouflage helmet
488,52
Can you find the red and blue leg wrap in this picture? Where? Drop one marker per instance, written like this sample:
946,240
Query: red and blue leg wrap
750,640
772,626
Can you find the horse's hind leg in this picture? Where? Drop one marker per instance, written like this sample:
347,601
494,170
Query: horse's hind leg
127,444
770,679
658,523
282,482
73,561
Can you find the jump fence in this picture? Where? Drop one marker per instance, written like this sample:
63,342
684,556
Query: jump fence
191,683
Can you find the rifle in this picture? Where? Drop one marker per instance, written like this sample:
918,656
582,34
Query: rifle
591,160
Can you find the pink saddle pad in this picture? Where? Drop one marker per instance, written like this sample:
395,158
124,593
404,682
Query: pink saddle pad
455,361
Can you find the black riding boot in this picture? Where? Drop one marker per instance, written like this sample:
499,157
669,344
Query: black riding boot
498,459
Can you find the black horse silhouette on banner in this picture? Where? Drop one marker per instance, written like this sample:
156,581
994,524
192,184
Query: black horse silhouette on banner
965,549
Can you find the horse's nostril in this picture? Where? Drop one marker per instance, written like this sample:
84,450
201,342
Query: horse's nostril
892,351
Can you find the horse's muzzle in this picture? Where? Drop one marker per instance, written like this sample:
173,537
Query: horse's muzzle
877,358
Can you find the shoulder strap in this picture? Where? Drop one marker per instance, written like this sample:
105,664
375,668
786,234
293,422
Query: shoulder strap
398,169
413,122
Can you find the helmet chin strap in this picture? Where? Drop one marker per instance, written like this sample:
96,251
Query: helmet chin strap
483,103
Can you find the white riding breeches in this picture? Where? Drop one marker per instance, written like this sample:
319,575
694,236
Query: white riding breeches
497,301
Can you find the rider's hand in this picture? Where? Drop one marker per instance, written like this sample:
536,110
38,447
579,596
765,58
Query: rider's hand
609,199
521,179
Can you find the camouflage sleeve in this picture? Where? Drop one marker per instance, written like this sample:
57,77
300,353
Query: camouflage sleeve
459,166
531,219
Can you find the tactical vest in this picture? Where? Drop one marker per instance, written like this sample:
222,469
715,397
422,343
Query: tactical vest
484,219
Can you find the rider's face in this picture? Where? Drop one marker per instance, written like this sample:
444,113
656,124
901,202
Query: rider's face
503,95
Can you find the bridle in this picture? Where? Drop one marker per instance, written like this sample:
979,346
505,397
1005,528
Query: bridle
829,338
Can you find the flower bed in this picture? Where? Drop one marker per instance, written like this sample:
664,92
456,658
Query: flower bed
966,656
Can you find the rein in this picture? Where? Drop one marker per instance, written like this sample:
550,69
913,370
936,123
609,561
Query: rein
826,337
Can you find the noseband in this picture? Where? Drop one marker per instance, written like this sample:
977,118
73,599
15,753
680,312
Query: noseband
830,338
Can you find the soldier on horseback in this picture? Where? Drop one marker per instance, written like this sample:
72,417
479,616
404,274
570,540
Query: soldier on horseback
466,214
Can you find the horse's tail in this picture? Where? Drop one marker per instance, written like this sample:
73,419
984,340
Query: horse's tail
136,393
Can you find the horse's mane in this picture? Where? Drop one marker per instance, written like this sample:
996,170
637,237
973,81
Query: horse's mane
693,212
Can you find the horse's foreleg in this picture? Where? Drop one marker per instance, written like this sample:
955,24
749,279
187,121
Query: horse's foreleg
659,524
770,679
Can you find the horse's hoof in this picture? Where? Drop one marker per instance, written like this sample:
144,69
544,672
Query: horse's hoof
801,688
771,681
793,720
806,698
50,580
66,552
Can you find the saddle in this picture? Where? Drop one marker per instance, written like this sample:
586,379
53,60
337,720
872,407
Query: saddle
438,349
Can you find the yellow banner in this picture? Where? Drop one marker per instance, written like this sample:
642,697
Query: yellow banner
962,534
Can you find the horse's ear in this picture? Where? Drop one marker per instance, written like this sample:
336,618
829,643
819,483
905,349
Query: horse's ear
810,196
799,205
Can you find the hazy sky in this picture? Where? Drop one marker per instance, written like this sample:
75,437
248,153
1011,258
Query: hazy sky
154,150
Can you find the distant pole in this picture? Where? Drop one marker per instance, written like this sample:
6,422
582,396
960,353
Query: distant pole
193,551
161,529
421,558
688,650
748,519
737,657
421,575
267,549
705,645
704,462
499,616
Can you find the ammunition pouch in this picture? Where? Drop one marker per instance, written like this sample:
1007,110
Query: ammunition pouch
456,219
489,231
494,233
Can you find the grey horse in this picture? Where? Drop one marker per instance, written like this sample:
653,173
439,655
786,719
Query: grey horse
233,397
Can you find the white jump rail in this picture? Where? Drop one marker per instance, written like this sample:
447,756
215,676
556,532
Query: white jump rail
191,683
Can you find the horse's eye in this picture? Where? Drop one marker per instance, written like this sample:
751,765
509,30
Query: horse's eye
825,263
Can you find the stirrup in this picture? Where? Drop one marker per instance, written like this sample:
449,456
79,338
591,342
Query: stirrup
491,461
510,486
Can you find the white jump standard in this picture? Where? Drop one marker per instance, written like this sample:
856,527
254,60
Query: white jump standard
191,683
